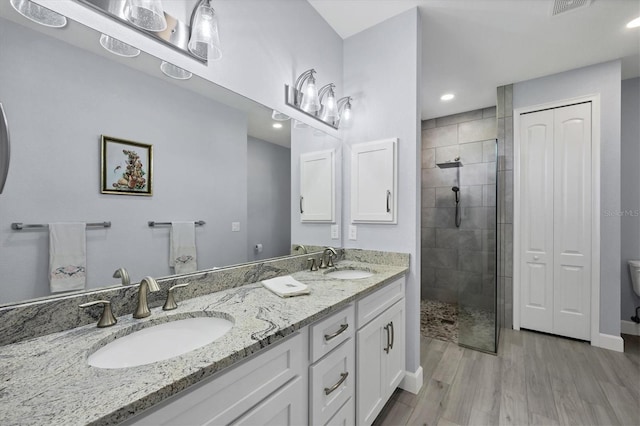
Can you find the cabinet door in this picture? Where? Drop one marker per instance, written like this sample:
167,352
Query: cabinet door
371,341
395,362
374,193
317,186
283,408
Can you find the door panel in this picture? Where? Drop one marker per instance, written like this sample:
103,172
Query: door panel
572,213
536,278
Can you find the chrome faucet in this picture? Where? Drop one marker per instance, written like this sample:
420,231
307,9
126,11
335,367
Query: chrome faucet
301,247
124,275
327,257
147,284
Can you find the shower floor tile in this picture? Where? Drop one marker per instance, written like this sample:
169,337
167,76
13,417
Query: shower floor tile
439,320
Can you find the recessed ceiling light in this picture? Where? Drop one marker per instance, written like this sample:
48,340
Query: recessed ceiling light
447,97
634,24
277,125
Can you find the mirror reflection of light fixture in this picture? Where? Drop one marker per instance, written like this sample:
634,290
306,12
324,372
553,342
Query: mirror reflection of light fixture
118,47
278,116
204,32
146,14
328,107
173,71
39,14
344,111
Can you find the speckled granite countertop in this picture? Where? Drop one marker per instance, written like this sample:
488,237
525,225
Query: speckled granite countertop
47,380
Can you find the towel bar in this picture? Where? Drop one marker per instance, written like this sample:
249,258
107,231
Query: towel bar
17,226
152,223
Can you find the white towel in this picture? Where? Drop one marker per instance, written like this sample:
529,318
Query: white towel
182,247
67,256
286,286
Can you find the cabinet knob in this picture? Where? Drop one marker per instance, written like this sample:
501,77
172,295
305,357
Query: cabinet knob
536,257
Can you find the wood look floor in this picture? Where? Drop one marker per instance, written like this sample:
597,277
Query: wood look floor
536,379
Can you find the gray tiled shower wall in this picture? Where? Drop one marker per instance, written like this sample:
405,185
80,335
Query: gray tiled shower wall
459,258
505,204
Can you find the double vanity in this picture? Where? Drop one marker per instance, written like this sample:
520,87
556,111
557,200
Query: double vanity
331,357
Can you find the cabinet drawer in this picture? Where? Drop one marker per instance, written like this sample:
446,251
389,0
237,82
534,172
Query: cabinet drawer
331,383
284,408
346,415
222,398
374,304
329,333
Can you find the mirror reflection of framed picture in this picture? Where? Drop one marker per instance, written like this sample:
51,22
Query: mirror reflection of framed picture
126,167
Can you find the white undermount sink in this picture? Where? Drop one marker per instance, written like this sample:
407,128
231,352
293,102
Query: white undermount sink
160,342
349,274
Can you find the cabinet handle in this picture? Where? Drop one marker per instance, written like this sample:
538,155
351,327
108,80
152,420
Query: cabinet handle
301,210
386,348
5,151
393,335
343,377
341,330
388,204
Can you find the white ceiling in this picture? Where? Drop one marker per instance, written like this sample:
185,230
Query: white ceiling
470,47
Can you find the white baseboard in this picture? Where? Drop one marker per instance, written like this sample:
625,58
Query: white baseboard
630,327
609,341
412,382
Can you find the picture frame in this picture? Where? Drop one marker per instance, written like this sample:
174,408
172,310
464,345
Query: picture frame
126,167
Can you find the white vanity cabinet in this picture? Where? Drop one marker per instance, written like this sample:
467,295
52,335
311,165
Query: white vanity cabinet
380,345
317,186
374,183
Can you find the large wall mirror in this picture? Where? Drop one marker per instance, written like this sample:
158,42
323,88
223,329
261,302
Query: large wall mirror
216,158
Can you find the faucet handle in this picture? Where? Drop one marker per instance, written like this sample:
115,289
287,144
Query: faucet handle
106,319
312,261
171,304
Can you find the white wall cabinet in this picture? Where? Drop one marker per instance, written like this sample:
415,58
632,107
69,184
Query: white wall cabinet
374,182
317,186
380,361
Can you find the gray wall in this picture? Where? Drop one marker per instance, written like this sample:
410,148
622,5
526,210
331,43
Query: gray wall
59,100
630,190
603,79
382,72
268,195
459,261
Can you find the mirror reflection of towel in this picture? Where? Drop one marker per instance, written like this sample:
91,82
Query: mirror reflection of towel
67,256
182,247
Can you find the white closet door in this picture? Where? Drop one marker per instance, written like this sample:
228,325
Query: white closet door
572,217
536,260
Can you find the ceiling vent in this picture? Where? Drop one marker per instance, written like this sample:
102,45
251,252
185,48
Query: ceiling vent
562,6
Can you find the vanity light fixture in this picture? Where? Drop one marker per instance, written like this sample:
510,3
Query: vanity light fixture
305,95
328,107
146,14
204,32
39,14
447,97
634,23
344,111
118,47
173,71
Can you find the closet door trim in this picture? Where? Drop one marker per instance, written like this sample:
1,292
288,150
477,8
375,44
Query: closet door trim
595,208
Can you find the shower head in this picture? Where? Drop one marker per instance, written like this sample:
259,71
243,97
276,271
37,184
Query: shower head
455,189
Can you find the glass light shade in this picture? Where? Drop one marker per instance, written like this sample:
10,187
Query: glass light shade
310,101
278,116
173,71
330,108
39,14
117,47
299,125
146,14
205,38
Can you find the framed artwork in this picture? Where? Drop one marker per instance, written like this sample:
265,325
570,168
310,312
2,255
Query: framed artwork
126,167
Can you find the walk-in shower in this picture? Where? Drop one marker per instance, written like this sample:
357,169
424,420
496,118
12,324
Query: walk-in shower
459,244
